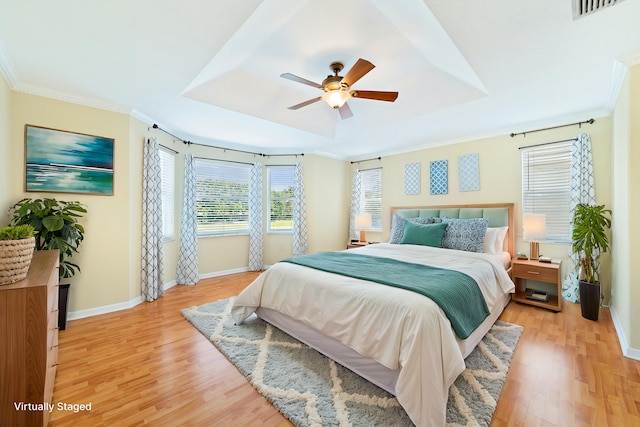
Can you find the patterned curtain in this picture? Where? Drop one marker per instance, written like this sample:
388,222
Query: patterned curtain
355,205
582,191
299,213
187,271
152,266
256,262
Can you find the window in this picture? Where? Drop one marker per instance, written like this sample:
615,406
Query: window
546,187
281,183
222,197
167,178
371,196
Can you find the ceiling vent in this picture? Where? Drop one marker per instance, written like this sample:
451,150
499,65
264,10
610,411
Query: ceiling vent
587,7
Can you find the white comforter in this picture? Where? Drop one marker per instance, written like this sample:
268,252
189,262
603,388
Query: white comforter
398,328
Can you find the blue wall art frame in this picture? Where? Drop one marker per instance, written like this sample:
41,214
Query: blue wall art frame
66,162
439,177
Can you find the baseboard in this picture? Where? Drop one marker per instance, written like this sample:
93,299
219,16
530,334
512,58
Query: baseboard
631,353
80,314
223,272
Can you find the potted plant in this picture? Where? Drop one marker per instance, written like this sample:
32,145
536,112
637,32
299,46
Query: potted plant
56,227
16,251
589,241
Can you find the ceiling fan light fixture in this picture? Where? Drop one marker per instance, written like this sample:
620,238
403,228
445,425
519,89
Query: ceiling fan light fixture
336,98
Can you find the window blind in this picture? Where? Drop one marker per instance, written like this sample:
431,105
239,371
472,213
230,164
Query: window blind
222,197
546,187
371,196
167,179
281,185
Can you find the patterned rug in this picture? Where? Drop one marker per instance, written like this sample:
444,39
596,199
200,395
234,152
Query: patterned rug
312,390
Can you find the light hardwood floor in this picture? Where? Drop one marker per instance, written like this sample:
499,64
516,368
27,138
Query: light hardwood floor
149,366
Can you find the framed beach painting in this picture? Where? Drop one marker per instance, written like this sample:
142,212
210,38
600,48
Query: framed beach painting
66,162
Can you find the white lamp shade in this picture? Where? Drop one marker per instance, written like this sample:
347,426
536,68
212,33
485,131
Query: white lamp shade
363,222
535,226
336,98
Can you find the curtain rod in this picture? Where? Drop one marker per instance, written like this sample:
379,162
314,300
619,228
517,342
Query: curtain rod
590,121
547,143
366,160
155,126
220,160
283,155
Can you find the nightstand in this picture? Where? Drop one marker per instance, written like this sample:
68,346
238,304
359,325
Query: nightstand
353,245
523,270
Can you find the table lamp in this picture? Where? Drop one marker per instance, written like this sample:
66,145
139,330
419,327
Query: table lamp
363,222
535,229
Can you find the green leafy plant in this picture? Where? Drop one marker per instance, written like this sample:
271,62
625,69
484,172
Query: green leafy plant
56,227
589,238
17,232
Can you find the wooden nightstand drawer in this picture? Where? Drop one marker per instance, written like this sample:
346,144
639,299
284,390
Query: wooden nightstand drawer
535,272
523,270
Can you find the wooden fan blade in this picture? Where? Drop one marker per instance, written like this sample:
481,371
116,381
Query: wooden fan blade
360,68
345,111
305,103
374,94
295,78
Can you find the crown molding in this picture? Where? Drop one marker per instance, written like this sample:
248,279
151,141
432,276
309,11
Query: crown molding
74,99
142,117
615,84
618,74
7,69
630,59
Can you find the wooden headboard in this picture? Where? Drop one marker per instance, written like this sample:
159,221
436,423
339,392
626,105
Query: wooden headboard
498,214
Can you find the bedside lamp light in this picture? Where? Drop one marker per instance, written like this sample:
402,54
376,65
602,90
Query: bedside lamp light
535,228
363,222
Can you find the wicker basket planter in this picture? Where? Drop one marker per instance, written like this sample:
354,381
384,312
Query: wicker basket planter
15,258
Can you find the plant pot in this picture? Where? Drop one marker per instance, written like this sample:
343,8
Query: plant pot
63,299
590,300
15,259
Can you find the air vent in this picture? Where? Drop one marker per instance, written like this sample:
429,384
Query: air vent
587,7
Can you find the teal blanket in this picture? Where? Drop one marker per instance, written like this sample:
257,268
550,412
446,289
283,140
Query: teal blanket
457,294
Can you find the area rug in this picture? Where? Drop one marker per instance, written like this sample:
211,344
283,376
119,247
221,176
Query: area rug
312,390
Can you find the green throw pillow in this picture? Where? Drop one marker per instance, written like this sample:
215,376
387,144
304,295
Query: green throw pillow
423,234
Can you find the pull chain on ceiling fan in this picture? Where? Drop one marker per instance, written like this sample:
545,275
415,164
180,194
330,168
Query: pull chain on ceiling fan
337,88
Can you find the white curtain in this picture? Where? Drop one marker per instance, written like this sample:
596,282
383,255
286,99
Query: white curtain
256,261
299,213
187,271
355,204
582,191
152,264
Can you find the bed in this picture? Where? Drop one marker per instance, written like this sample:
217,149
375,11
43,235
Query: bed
398,340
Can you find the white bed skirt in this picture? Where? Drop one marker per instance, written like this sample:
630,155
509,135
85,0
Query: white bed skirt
367,368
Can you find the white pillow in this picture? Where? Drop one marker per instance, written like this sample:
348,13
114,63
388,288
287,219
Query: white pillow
502,234
494,240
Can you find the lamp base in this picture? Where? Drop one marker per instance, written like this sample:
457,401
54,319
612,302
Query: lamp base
534,250
363,237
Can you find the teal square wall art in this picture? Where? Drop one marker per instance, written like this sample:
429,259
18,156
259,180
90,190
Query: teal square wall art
58,161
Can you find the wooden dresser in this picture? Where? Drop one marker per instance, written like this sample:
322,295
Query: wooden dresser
29,342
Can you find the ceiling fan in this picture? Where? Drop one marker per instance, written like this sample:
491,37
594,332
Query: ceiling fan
337,89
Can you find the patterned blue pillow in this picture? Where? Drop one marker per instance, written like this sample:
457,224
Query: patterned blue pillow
465,234
397,230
